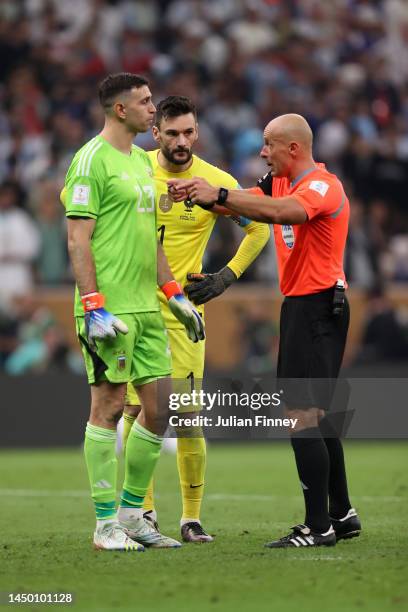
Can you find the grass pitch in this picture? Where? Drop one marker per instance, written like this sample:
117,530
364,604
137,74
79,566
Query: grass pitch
252,495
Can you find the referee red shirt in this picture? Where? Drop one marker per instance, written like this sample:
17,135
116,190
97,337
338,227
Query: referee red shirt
310,256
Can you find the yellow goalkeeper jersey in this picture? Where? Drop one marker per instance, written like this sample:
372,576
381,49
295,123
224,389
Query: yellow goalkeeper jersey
184,230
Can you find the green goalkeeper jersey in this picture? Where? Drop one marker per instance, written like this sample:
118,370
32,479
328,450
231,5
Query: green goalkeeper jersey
118,191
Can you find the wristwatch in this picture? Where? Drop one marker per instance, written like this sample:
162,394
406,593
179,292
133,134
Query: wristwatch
222,196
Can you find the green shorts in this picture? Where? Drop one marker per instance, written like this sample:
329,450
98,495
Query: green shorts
140,356
188,368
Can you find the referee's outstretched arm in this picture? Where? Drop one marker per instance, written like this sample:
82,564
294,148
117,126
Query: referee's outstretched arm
266,209
287,151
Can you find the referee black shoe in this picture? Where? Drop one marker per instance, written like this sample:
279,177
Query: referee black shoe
302,536
347,527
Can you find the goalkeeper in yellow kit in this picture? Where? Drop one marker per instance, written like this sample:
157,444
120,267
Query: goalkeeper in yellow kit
184,231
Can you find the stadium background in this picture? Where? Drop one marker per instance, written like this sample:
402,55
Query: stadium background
343,65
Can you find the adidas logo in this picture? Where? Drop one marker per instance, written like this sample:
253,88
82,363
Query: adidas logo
103,484
303,541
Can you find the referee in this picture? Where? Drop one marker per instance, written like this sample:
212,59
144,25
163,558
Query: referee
310,213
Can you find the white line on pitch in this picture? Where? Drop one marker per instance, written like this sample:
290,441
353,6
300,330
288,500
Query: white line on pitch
238,497
211,496
320,558
42,493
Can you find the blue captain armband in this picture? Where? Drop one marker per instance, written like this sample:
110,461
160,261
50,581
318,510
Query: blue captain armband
241,221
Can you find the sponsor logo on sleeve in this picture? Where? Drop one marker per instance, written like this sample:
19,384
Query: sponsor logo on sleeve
288,235
319,186
81,195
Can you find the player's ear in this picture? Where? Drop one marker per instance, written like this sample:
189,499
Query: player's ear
196,130
156,133
119,110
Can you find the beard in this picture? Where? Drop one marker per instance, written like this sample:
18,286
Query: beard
171,156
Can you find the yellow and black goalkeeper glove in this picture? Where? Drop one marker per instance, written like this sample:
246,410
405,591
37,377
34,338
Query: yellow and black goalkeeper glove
205,287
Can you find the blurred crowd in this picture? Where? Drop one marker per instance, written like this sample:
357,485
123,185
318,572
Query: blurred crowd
342,64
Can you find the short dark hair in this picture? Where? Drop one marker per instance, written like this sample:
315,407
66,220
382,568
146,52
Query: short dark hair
115,84
174,106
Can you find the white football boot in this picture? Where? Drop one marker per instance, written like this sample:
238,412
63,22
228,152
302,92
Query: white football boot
141,530
111,536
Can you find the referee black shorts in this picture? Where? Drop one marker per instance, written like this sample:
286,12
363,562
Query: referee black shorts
311,348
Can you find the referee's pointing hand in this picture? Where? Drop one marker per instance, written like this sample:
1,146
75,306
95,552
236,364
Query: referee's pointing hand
197,189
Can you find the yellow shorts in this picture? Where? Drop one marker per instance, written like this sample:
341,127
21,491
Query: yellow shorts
188,368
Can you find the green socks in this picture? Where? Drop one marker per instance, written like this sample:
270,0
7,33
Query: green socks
142,452
101,462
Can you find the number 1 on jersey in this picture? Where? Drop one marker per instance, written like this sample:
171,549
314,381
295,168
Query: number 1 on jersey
191,377
161,229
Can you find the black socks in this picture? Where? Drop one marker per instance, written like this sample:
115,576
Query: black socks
339,502
312,460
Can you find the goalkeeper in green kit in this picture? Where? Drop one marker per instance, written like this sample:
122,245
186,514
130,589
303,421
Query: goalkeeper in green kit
109,197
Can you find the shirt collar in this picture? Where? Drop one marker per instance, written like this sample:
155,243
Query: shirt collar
302,175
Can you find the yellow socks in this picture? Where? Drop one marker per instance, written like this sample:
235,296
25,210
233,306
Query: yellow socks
191,459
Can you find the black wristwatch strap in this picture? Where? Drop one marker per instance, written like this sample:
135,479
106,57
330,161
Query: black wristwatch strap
222,196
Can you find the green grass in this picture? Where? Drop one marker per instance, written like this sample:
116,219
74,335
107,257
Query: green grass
252,496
